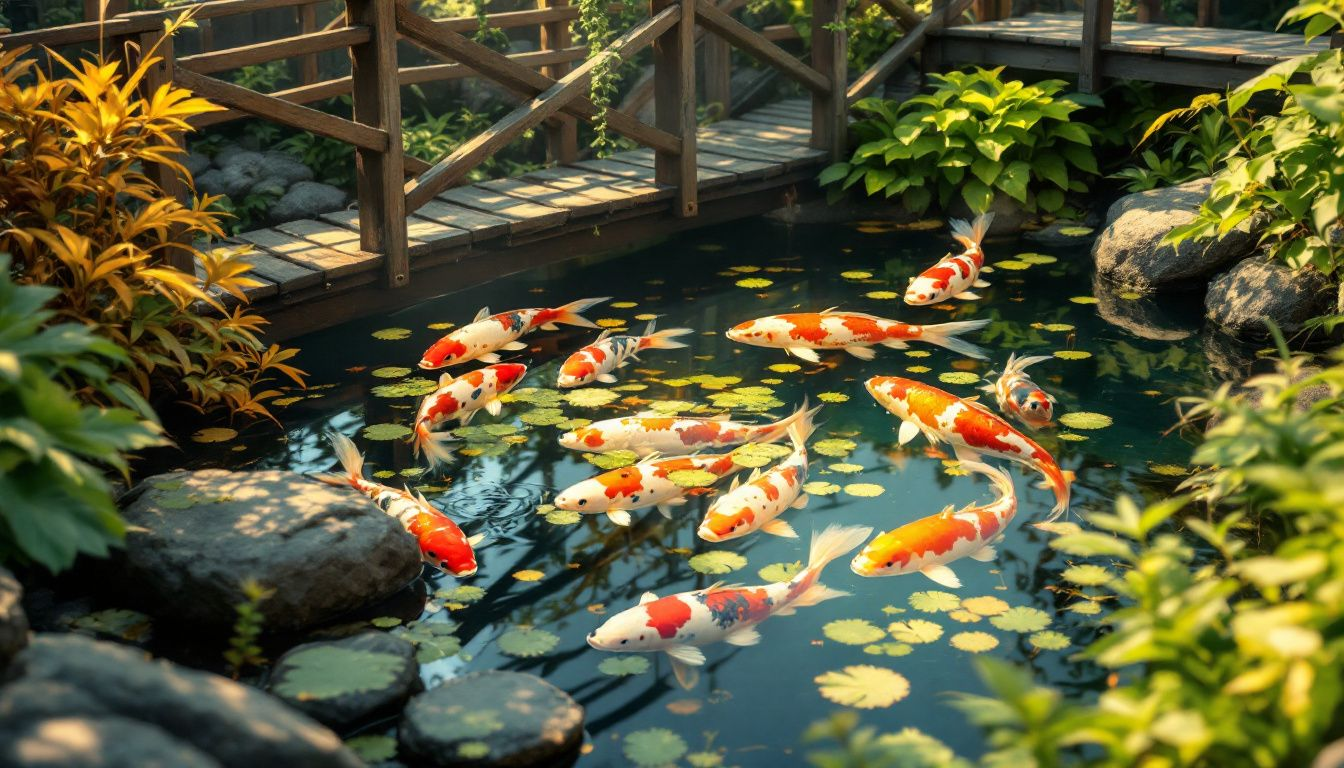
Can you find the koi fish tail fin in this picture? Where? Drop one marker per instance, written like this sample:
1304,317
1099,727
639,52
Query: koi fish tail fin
803,424
971,233
833,542
945,335
352,461
769,433
662,339
434,446
1019,364
1058,481
1003,484
569,313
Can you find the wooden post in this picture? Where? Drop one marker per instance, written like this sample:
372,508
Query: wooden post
830,112
307,64
931,54
165,177
674,105
562,135
718,75
1097,17
377,103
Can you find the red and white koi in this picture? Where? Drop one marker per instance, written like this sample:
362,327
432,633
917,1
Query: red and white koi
1020,397
757,504
679,625
596,361
969,427
460,398
443,545
801,334
617,492
483,337
929,544
672,435
954,276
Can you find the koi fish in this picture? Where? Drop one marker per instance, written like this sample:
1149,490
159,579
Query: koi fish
757,504
1020,397
954,276
442,543
968,427
460,398
680,624
596,361
672,435
486,334
927,545
802,333
619,491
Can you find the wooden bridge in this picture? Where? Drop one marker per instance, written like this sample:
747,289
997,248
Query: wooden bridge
417,231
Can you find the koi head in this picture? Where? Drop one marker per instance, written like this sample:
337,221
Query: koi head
650,626
885,555
444,352
889,392
584,496
570,380
443,546
719,526
583,439
1036,408
922,291
755,332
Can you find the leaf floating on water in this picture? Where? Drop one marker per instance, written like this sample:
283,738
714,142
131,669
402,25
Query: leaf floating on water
1072,354
864,490
759,454
465,594
918,368
441,326
1021,619
888,649
610,322
391,334
1085,420
853,632
623,666
1071,437
1168,470
630,388
1084,299
623,304
527,642
590,397
415,387
934,601
917,353
1074,231
542,417
118,622
1036,258
882,295
704,760
692,478
645,317
856,274
820,488
987,605
964,616
784,367
915,631
563,517
834,447
1053,327
1087,575
390,372
833,397
326,672
1049,640
715,562
863,686
958,377
669,407
746,269
848,469
974,642
529,574
612,459
382,432
214,435
544,398
755,282
654,747
1012,264
780,572
1085,608
373,747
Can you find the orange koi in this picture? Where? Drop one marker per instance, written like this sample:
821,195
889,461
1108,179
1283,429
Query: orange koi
801,334
460,399
954,276
484,336
1020,397
647,484
596,361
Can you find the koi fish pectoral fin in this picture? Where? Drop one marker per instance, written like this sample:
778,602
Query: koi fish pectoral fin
943,575
966,296
980,283
494,407
778,527
619,517
687,676
489,357
607,378
894,344
800,502
687,654
985,554
481,315
863,353
803,353
744,637
476,540
514,346
967,454
908,431
549,327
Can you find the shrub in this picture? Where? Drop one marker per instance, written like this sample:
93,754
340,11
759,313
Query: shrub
974,134
79,213
55,502
1183,145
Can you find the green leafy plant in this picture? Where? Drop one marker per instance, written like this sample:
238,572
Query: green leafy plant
263,78
976,135
244,647
1180,148
55,501
333,160
595,22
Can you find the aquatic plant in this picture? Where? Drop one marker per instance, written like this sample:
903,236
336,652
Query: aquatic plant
974,134
244,650
82,214
54,449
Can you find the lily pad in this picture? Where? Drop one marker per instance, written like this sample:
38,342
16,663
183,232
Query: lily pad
755,282
653,747
863,686
1085,420
465,594
864,490
391,334
853,631
958,377
917,353
527,642
974,642
373,747
414,387
934,601
1072,354
918,368
1057,327
834,447
612,459
1084,299
329,671
856,274
390,372
623,666
1074,231
785,367
1085,608
987,605
833,397
1012,264
214,435
759,454
1087,575
820,488
386,432
1169,470
1049,640
692,478
1021,619
563,517
915,631
1036,258
610,322
529,574
846,468
716,562
882,295
590,397
964,616
889,649
542,417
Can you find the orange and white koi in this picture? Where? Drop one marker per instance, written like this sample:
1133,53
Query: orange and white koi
679,625
460,398
483,337
617,492
596,361
443,545
801,334
1020,397
969,427
929,544
672,435
757,504
954,276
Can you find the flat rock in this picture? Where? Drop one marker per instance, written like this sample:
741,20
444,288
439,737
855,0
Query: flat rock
504,718
1130,252
107,741
232,724
398,676
285,167
13,621
1241,299
196,537
1059,234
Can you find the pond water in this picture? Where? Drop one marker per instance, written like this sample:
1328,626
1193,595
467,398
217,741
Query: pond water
565,578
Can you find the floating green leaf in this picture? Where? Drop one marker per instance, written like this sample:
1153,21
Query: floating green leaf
1074,231
390,372
544,398
1012,264
465,594
864,490
915,631
668,407
527,642
964,616
563,517
1057,327
1072,354
958,377
1085,608
974,642
888,649
755,282
882,295
759,454
1084,299
329,671
415,387
1085,420
1021,619
1036,258
987,605
542,417
612,460
654,747
834,447
853,631
214,435
846,468
385,622
1049,640
1087,575
934,601
820,488
833,397
623,666
391,334
785,367
856,274
717,561
780,572
863,686
590,397
373,747
386,431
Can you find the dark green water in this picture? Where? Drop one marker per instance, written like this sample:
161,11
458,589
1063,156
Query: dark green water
752,703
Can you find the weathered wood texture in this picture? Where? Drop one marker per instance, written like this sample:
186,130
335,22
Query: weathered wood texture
674,103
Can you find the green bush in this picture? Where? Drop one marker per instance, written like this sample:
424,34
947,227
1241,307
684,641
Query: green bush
55,502
1177,148
975,134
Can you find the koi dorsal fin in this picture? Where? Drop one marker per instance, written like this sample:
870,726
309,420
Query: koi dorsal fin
947,511
446,379
647,597
481,315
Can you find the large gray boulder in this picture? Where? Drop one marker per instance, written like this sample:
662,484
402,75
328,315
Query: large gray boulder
13,621
1241,299
196,537
390,661
493,719
107,741
305,200
77,681
285,167
1130,252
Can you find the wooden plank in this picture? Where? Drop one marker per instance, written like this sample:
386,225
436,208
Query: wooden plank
760,118
270,108
272,50
735,145
762,50
738,168
481,226
830,110
1097,18
577,203
562,137
135,23
420,233
620,192
288,276
768,132
523,216
674,105
289,243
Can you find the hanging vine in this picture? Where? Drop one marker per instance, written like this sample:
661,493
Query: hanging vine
485,34
595,22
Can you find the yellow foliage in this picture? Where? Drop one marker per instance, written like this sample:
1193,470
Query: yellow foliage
80,212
